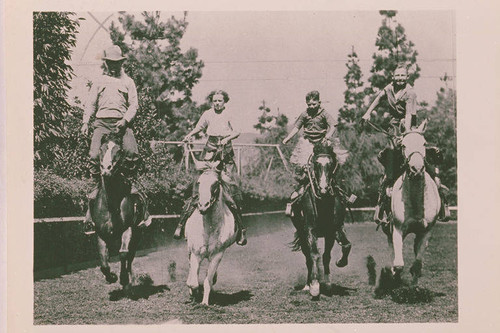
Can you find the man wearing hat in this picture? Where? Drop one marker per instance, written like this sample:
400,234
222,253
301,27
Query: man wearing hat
113,100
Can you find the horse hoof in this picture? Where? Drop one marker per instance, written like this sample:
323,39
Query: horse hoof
314,289
124,280
416,269
111,278
342,262
306,288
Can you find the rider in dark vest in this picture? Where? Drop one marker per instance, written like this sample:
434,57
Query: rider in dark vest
319,129
402,101
217,125
113,100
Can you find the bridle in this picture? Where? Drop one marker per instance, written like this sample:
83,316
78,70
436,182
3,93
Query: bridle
312,176
214,196
406,164
115,165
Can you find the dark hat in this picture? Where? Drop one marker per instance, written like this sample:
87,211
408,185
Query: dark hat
113,53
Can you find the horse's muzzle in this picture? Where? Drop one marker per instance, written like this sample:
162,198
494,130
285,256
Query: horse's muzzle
203,208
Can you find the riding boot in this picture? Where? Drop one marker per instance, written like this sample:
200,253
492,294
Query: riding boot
95,180
233,199
241,238
189,208
88,224
444,212
382,202
346,247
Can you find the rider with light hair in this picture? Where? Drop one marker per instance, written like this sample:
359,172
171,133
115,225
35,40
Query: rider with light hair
113,100
216,123
402,102
319,129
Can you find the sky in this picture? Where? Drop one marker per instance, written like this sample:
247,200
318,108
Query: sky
279,56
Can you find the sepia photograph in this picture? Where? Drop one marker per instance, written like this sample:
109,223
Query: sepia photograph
245,167
185,167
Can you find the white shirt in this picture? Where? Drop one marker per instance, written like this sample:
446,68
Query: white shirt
215,124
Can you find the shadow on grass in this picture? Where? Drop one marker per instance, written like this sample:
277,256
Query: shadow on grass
327,289
223,299
143,289
401,291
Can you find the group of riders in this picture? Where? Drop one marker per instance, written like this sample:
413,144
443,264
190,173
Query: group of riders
113,100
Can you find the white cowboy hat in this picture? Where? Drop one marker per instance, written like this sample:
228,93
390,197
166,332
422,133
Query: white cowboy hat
113,53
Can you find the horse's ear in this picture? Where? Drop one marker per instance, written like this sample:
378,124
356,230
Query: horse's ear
422,126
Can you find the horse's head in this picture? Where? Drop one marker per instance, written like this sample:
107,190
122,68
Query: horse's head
110,154
324,166
413,143
209,187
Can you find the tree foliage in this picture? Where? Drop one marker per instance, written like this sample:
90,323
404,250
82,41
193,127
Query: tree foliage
441,132
354,95
393,48
163,74
53,37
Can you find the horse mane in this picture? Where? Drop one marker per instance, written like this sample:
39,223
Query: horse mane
116,137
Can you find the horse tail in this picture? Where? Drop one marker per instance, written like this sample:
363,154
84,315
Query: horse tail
296,243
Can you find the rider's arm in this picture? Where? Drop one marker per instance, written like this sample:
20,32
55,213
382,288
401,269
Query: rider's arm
411,110
332,125
298,125
200,125
234,134
374,104
291,135
91,104
133,103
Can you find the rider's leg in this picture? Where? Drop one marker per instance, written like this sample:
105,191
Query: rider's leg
444,212
300,178
345,244
187,211
130,165
234,200
95,145
95,176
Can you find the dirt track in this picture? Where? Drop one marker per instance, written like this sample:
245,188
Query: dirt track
256,284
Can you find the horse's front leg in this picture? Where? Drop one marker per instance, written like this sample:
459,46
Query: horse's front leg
125,273
209,279
194,271
421,242
104,258
327,256
314,256
397,246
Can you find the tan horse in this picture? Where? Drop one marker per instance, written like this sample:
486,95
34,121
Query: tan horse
209,231
415,204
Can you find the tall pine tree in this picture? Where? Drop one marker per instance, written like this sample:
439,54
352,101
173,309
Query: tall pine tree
354,94
393,48
361,171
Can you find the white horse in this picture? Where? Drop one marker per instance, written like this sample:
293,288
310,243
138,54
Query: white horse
209,231
415,203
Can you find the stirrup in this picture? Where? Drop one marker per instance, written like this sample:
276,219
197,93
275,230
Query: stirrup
242,239
145,223
88,228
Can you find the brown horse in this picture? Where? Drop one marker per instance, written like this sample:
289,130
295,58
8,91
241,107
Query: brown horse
318,213
115,212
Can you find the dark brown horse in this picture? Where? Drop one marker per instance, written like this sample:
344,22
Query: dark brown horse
115,212
319,212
